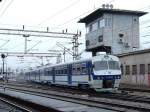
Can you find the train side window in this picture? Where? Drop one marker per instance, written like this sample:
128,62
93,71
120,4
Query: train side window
84,70
134,69
59,71
127,70
142,69
56,71
73,70
78,70
62,71
148,68
65,71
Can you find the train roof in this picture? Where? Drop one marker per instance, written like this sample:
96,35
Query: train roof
83,60
76,61
46,66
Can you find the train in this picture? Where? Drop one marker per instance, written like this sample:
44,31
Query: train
101,73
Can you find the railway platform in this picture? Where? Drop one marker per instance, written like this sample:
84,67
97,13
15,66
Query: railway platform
59,105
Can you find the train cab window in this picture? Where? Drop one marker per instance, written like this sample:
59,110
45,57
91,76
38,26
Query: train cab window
148,68
127,70
142,69
114,65
134,69
100,65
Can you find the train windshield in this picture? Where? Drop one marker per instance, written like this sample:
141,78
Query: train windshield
105,65
113,65
100,65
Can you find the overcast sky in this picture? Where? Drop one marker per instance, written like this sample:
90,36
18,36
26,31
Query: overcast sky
58,15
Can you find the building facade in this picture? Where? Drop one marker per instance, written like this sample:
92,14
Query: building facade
136,68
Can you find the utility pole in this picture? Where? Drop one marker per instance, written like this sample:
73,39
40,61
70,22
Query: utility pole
25,46
76,46
64,53
3,59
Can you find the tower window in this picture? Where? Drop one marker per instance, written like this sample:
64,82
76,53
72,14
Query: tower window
100,38
87,42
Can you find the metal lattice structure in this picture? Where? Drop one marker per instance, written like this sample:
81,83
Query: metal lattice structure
36,33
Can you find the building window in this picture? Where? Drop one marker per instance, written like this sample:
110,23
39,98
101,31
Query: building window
134,69
95,26
90,28
127,70
142,69
108,22
101,23
148,68
100,38
87,42
122,71
87,29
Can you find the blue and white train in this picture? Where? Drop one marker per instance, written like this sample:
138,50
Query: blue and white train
101,73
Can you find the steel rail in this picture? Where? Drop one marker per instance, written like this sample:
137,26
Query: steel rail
15,105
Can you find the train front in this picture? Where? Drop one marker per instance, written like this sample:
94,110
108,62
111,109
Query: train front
106,73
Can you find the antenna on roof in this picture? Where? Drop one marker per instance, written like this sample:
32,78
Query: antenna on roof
103,6
107,6
111,6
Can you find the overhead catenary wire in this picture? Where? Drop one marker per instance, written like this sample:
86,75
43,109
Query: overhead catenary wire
3,4
60,11
6,8
77,17
112,0
143,22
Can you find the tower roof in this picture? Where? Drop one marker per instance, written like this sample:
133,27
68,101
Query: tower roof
99,12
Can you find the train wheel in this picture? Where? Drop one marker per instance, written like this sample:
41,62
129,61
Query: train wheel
83,86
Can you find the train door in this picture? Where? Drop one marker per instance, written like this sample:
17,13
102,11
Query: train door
39,74
89,66
53,74
69,67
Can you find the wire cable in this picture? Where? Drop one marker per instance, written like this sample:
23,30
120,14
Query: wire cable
80,15
3,4
6,8
60,11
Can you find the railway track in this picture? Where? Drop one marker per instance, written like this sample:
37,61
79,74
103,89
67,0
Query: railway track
114,101
15,107
121,96
23,105
134,88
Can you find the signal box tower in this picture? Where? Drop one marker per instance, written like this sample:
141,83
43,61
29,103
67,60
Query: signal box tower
111,30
